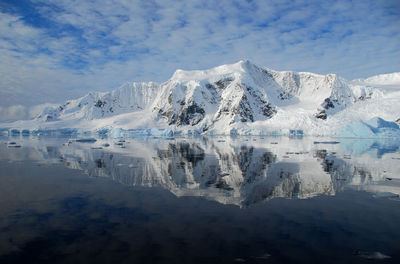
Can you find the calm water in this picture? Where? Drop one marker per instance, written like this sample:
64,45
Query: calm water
199,200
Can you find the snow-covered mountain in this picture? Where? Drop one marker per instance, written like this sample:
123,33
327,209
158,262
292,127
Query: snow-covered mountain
240,98
244,92
382,79
130,97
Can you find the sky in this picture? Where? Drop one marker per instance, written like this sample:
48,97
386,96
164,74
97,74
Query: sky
55,50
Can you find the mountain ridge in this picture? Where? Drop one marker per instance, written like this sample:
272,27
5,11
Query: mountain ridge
234,98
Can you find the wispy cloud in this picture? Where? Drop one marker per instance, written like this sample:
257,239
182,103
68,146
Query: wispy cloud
53,49
13,112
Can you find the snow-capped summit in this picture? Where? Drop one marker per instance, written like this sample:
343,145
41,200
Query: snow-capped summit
223,95
239,98
383,79
216,72
127,98
228,95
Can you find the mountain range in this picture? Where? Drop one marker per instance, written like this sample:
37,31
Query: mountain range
240,98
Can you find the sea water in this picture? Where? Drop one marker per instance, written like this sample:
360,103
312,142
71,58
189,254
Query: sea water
199,200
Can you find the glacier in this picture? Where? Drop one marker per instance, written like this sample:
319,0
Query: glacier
233,99
375,127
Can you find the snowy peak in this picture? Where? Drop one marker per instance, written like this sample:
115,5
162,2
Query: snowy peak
234,98
244,92
382,79
210,74
127,98
225,95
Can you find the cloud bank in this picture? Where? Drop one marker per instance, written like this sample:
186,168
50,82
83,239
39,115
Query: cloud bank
57,49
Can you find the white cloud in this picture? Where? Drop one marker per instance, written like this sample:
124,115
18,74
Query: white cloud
13,112
92,45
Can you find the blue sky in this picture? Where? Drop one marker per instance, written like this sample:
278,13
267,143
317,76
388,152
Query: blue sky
53,50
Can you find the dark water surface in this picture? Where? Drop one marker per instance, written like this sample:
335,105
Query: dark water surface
248,200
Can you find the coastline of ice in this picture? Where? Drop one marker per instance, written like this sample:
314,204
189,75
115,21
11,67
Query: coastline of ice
374,128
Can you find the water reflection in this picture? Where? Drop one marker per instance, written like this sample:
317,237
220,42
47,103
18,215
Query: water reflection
239,171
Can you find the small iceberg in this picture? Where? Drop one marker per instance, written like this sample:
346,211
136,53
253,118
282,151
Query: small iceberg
13,144
14,132
296,133
265,256
25,132
160,132
86,140
371,255
326,142
69,142
386,195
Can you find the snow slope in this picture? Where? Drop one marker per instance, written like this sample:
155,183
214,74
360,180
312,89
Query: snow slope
130,97
240,98
382,79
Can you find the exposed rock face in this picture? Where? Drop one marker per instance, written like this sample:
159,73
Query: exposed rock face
327,104
321,115
222,96
189,115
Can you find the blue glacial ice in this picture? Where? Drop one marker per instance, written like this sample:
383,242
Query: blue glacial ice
373,128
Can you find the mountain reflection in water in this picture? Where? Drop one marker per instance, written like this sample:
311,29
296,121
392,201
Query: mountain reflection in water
239,171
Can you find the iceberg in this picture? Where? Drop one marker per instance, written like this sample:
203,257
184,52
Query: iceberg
86,140
126,133
159,132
